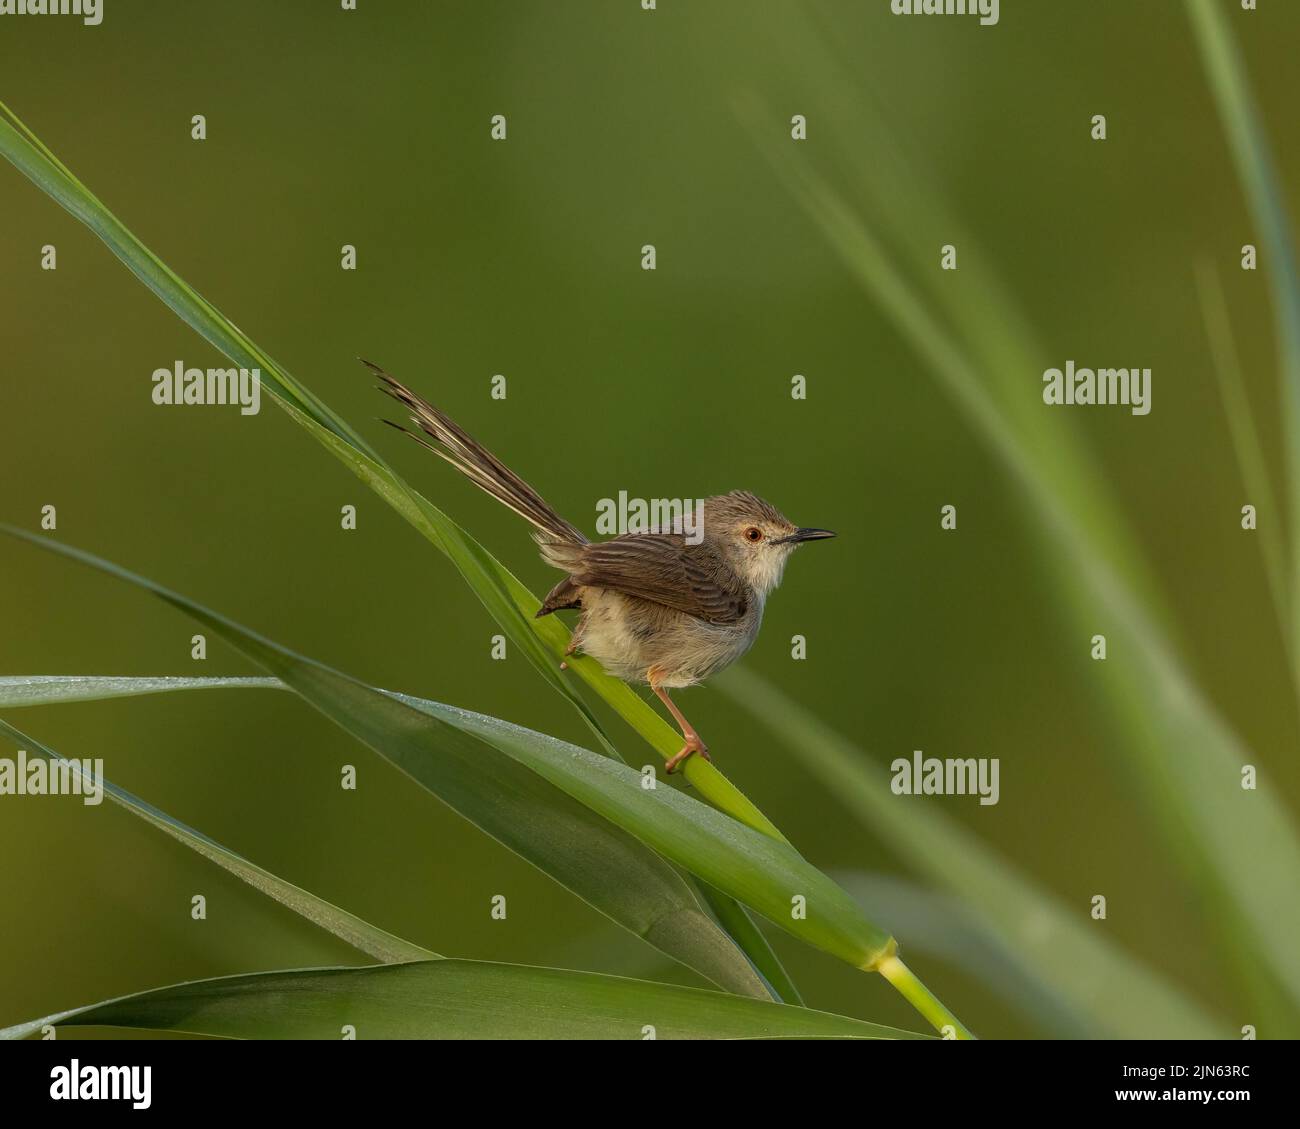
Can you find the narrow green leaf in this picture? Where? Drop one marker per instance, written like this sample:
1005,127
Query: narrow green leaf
735,919
602,864
1257,171
595,860
48,173
440,747
368,938
17,691
48,689
454,999
1247,445
751,867
30,690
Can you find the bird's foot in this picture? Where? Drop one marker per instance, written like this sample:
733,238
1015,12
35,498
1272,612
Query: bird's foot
693,745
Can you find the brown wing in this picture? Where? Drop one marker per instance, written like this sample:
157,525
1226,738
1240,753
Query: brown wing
564,595
662,568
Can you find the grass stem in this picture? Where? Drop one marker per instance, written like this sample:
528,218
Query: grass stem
921,998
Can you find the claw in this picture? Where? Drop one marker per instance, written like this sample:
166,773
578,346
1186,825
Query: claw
691,746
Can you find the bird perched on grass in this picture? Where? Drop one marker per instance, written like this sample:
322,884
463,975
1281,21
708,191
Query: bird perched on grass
655,608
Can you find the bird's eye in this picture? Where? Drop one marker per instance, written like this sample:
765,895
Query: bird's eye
753,534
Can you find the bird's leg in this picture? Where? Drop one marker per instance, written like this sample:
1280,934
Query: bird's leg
693,742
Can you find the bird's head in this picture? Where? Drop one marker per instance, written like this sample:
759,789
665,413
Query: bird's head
754,536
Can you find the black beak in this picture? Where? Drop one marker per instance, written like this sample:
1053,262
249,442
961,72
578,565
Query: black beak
804,535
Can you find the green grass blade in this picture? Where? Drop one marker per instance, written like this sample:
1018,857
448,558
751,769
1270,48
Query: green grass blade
34,690
1060,949
369,939
48,689
39,165
753,868
1246,445
735,919
1259,178
453,999
603,865
450,751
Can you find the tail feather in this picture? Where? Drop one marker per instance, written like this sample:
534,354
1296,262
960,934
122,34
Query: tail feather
451,442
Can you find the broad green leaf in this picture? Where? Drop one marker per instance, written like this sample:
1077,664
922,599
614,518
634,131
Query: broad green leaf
347,927
34,690
1106,989
753,868
46,689
454,999
603,865
31,690
449,750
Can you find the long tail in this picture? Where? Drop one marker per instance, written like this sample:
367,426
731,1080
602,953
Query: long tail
451,442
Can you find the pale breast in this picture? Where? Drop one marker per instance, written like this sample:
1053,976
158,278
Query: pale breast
630,637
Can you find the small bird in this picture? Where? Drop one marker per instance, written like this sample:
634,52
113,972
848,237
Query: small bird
655,608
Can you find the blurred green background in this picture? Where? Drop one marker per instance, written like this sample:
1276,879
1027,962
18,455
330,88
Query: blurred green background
371,128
